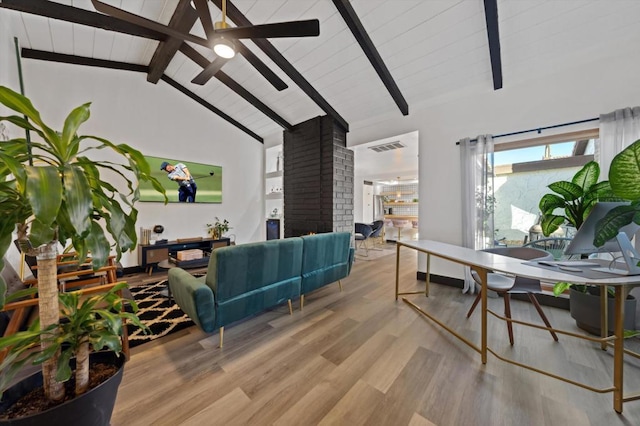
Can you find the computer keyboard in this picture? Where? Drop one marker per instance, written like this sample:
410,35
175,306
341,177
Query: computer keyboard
614,271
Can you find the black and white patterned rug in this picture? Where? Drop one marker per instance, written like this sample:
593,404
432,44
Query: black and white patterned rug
160,314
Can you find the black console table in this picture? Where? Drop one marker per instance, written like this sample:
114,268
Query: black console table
149,255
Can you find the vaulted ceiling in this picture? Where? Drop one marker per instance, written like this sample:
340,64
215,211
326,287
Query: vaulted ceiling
419,51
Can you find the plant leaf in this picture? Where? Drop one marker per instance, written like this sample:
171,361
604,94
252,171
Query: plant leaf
23,105
568,190
587,176
78,199
609,226
624,174
41,233
550,224
44,192
98,245
69,142
561,287
549,202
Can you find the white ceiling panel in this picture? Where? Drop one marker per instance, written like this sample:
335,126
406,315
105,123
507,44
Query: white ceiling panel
102,43
61,36
83,40
432,48
38,32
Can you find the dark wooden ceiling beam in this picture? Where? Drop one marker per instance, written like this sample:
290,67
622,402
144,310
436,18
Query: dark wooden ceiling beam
196,57
76,15
493,35
183,19
210,107
97,20
352,20
81,60
240,20
102,63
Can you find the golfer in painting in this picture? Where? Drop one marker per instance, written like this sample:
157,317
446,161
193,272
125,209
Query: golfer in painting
186,185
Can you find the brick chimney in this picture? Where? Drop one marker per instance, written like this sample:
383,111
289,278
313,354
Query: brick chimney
318,179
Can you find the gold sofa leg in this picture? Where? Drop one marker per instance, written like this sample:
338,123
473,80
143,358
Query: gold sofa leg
221,335
301,301
340,284
290,307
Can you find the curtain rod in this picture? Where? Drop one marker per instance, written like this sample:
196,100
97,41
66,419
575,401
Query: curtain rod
539,129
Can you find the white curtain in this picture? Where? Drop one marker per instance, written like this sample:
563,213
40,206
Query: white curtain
476,160
618,130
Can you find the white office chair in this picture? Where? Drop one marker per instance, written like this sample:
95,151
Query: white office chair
506,285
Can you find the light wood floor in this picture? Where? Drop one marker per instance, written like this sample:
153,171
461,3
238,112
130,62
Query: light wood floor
358,357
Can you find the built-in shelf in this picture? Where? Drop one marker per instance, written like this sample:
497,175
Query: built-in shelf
273,185
404,203
273,174
273,196
393,193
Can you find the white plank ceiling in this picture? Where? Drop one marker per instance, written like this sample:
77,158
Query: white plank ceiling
432,48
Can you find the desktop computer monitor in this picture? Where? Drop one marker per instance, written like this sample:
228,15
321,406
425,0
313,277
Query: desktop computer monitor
582,242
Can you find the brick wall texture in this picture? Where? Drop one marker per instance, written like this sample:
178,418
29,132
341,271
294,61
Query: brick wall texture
318,179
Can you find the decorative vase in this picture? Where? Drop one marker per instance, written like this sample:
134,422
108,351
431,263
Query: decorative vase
585,309
94,407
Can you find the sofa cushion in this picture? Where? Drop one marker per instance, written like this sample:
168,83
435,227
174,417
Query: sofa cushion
257,301
194,297
325,259
248,267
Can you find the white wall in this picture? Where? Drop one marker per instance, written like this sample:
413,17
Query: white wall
160,121
580,93
9,77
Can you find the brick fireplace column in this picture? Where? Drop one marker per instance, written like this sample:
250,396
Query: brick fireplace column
318,179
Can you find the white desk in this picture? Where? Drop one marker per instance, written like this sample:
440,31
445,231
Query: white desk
483,262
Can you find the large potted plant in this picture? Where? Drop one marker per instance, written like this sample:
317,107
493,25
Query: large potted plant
87,324
574,199
624,177
52,192
570,204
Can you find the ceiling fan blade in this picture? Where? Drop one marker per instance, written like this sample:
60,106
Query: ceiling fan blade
205,17
309,28
209,71
147,23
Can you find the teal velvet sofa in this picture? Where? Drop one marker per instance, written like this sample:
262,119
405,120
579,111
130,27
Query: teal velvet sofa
246,279
326,258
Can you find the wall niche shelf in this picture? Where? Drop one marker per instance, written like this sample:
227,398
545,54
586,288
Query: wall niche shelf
394,193
275,174
273,184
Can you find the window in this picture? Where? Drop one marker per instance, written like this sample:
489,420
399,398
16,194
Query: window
522,171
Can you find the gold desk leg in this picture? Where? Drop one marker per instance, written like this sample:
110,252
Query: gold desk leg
618,349
290,307
483,345
604,316
397,268
426,287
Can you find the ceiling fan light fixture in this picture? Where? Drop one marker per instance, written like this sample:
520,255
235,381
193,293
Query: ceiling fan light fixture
224,47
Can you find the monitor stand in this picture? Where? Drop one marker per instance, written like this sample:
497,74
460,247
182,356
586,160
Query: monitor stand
630,256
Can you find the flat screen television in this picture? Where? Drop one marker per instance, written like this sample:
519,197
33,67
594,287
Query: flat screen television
582,242
207,177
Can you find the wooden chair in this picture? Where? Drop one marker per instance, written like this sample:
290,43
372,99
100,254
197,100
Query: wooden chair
86,281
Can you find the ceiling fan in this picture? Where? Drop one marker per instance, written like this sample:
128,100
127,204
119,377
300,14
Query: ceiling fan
221,38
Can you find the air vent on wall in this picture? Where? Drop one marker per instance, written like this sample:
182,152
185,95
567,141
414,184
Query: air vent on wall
387,146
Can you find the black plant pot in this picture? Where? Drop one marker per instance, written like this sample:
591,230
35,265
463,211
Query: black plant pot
585,309
92,408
